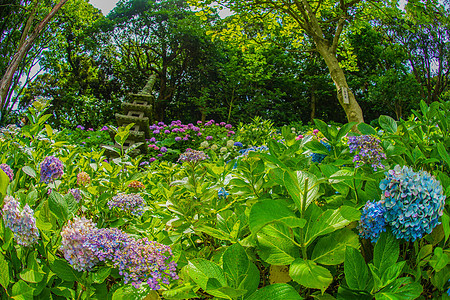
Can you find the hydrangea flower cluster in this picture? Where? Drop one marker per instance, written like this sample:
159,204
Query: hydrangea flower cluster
51,169
192,156
238,144
146,261
318,158
367,150
372,221
74,235
7,169
414,201
105,242
222,193
245,152
139,261
83,178
130,203
136,184
21,222
76,194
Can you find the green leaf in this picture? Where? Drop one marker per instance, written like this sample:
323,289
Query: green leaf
4,272
391,273
64,292
266,212
388,124
323,128
276,246
240,272
22,291
29,171
386,252
317,147
443,153
402,288
344,130
323,222
127,292
310,275
64,271
277,291
72,204
355,269
446,225
366,129
215,233
4,182
201,270
32,276
439,259
100,275
58,206
330,250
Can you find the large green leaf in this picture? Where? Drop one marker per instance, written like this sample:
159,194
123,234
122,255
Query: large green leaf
386,252
355,269
323,222
443,153
58,206
323,128
310,275
387,123
32,276
29,171
344,130
266,212
4,181
22,291
277,291
366,129
64,271
235,264
439,259
401,289
330,250
275,245
391,273
4,272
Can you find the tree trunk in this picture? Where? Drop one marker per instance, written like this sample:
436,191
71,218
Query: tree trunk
7,78
352,109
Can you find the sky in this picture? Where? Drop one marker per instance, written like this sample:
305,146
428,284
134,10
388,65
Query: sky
105,5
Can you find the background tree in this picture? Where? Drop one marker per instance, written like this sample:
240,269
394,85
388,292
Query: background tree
30,31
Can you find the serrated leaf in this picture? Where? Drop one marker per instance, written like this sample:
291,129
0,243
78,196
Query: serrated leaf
310,275
330,250
355,269
386,252
388,124
58,206
29,171
366,129
277,291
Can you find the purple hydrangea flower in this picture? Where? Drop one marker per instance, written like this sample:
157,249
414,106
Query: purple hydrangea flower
76,194
74,235
228,126
104,128
166,131
144,163
145,261
51,169
151,159
7,169
80,127
209,138
152,140
129,203
367,150
414,201
372,221
192,156
21,222
163,149
105,242
177,138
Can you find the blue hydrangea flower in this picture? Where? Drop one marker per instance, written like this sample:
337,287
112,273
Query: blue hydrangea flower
238,144
414,201
245,152
372,221
222,193
192,156
21,222
368,151
7,169
318,158
51,169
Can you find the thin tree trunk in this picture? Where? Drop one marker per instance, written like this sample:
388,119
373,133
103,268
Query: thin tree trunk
352,109
313,104
7,78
